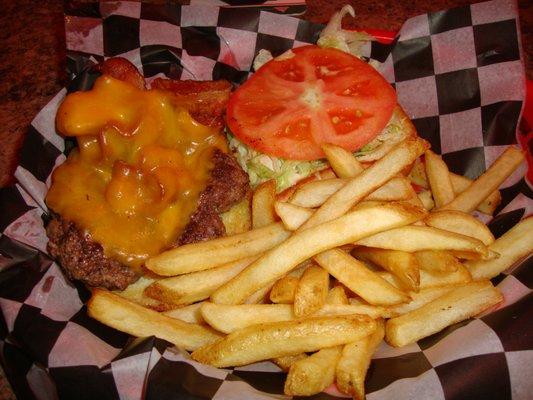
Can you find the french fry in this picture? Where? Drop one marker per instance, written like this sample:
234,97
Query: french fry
196,286
426,199
291,215
326,173
305,244
312,374
360,279
125,316
514,245
311,291
418,299
214,253
400,263
429,279
459,183
342,161
135,293
263,201
367,181
337,295
436,261
483,186
461,303
416,238
285,362
316,193
261,296
284,289
190,313
230,318
488,205
439,179
354,362
460,222
417,175
398,188
278,339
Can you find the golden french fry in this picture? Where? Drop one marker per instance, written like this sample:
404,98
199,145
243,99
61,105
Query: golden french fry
416,238
214,253
342,161
367,181
278,339
230,318
284,289
190,313
354,362
401,264
488,205
483,186
439,179
305,244
125,316
460,222
135,293
261,296
337,295
514,245
291,215
315,193
238,218
459,183
398,188
360,279
461,303
426,199
312,374
418,174
418,299
311,292
436,261
285,362
196,286
429,279
263,201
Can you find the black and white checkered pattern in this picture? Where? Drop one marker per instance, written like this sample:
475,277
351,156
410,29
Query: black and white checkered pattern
458,74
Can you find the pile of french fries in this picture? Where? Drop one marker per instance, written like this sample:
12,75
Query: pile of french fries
331,269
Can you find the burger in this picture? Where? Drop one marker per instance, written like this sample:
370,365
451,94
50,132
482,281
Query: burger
151,171
153,168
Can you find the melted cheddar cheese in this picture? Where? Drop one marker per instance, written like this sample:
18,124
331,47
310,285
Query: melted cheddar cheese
140,165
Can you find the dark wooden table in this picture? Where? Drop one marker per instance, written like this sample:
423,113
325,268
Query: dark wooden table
32,59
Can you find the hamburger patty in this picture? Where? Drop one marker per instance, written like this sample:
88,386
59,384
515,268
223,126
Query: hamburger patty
83,259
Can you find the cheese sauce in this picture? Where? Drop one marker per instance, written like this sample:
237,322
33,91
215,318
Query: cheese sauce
140,166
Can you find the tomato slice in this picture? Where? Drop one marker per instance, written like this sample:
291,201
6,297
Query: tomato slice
293,105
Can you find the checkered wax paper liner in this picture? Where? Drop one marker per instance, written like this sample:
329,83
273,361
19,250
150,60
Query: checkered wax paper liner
458,74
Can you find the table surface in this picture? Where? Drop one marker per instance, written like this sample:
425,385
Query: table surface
33,60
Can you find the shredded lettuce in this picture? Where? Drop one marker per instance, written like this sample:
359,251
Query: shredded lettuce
261,167
262,57
333,36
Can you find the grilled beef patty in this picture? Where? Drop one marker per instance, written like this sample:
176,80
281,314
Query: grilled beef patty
83,259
